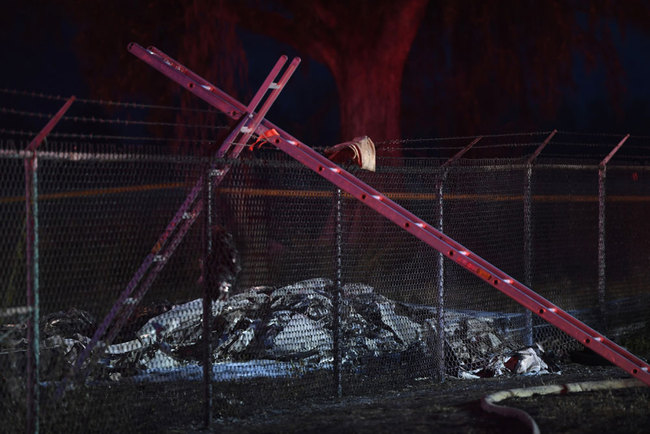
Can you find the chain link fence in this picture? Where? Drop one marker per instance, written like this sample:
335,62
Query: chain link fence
309,295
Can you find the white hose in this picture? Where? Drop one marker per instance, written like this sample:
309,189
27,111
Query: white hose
489,402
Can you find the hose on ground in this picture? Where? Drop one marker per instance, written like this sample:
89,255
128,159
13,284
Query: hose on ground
489,402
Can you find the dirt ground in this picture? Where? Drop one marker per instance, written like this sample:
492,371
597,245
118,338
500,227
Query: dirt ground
454,406
384,404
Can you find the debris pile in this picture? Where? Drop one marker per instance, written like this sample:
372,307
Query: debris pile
294,324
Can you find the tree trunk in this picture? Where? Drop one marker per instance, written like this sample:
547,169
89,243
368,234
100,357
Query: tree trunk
368,71
369,99
364,44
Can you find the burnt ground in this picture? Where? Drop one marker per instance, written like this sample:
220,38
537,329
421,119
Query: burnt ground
454,406
375,405
403,401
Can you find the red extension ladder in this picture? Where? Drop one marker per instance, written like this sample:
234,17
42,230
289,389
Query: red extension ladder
391,210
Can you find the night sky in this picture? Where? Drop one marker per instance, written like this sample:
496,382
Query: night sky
40,52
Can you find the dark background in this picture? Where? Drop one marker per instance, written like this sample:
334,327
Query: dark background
79,48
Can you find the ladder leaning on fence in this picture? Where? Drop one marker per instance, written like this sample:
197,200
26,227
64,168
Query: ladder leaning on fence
391,210
189,211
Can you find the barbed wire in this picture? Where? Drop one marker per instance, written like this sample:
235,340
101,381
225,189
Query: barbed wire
428,148
385,145
449,138
584,144
506,145
577,157
104,102
448,148
451,148
7,110
627,147
104,137
18,132
82,136
112,156
592,134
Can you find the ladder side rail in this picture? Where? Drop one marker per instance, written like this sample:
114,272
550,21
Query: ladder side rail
123,300
117,306
261,91
258,118
171,68
194,83
216,99
125,295
237,107
151,277
125,313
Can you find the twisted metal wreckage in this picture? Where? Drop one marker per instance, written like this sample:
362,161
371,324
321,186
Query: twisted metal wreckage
269,331
305,305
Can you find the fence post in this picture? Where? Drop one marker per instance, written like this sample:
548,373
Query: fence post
336,305
32,286
528,233
208,280
602,259
440,293
32,270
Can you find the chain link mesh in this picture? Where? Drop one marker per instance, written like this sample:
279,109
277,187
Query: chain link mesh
312,295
